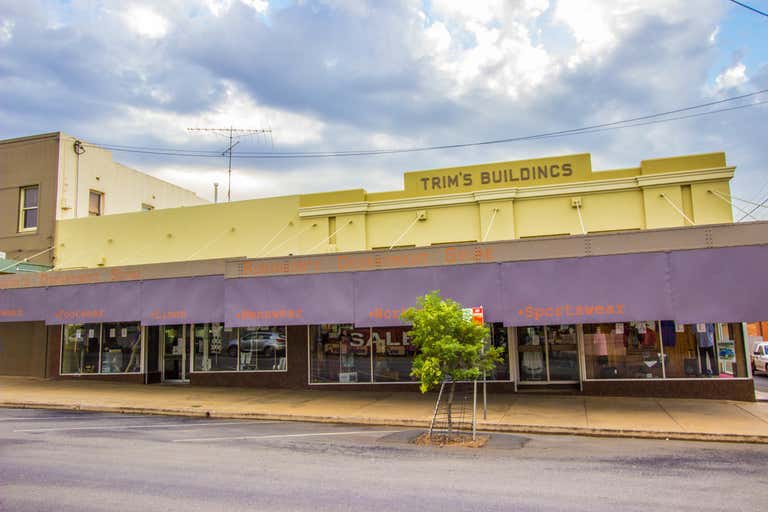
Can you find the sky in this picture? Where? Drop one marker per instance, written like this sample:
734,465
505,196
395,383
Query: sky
338,75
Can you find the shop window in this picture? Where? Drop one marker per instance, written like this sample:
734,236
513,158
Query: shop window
548,353
80,349
261,348
95,203
499,338
121,348
215,348
339,353
392,354
629,350
28,204
342,353
703,350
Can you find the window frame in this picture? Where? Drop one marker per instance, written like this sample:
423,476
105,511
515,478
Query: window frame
239,369
24,209
99,371
100,213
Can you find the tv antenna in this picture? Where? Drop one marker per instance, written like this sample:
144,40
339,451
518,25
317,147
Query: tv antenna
234,135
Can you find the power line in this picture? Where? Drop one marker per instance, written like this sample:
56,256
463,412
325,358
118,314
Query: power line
366,152
749,7
762,203
627,123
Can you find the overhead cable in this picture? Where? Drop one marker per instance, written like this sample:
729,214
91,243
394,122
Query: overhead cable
749,7
659,117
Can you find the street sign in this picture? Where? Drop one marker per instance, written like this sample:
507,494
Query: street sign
474,315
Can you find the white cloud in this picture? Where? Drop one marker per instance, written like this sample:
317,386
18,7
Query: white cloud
732,77
146,22
220,7
6,30
484,46
236,109
714,34
259,6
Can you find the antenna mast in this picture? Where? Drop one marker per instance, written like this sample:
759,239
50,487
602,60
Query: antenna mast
234,135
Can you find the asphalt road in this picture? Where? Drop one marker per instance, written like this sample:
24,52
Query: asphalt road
68,461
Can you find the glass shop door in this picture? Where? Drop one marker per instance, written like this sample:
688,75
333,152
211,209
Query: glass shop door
548,354
176,353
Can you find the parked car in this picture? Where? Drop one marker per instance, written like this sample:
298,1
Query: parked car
264,343
760,358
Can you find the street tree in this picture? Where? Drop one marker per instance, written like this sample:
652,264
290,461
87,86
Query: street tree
450,347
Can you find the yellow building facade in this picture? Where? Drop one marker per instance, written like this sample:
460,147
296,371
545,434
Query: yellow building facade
535,198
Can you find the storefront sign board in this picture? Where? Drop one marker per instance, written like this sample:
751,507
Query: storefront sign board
93,303
22,305
182,300
726,284
290,300
629,287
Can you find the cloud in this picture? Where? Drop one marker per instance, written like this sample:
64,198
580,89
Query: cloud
6,30
732,77
341,74
145,22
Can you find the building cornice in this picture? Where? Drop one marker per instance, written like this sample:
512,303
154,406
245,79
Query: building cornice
699,175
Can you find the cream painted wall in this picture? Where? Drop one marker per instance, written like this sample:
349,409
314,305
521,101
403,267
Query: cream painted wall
444,224
221,230
124,189
546,217
658,212
500,226
709,208
612,211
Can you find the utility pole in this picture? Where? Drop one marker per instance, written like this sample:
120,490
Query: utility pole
234,135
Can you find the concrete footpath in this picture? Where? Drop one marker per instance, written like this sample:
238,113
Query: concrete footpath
657,418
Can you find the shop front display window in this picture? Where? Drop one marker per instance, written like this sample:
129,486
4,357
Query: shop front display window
548,353
499,339
121,348
531,353
624,350
339,353
80,350
703,350
563,353
392,354
261,348
215,348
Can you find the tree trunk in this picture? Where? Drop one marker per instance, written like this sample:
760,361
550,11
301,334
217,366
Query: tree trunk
450,405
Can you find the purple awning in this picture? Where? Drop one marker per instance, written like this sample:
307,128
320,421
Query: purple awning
22,304
720,285
473,285
586,290
93,303
182,300
382,295
289,300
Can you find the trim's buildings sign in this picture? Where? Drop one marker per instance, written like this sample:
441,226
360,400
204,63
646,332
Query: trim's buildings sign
520,173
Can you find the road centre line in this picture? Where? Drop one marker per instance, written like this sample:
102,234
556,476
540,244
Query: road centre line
282,436
158,425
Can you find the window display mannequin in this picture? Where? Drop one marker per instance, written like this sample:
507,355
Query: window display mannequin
706,342
601,346
532,364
